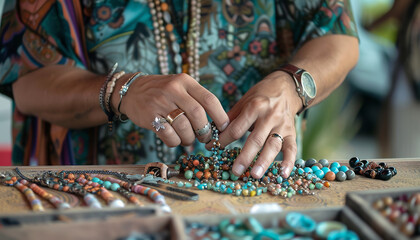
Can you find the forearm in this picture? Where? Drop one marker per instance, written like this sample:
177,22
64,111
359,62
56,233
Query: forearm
328,59
63,95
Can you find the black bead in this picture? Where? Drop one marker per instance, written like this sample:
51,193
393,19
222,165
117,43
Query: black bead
353,161
382,164
393,171
360,164
386,174
379,169
368,173
365,162
358,170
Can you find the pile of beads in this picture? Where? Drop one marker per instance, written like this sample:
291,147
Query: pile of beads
294,226
403,211
323,170
371,169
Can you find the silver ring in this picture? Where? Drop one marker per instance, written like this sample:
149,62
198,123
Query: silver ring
276,135
203,131
158,123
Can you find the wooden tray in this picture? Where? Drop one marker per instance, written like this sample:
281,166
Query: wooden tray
343,214
109,223
361,204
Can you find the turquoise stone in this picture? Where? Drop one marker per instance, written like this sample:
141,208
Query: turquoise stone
289,195
217,184
206,166
300,171
229,191
177,167
259,191
180,184
325,170
334,170
115,186
318,185
107,184
225,175
320,174
300,191
264,189
335,164
311,186
343,168
233,177
196,171
95,179
274,171
309,177
308,169
188,185
238,192
300,223
279,179
315,168
188,174
222,187
200,187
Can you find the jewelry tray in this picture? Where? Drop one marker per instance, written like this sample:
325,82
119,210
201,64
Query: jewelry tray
360,202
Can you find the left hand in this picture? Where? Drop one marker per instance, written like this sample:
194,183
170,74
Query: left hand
268,107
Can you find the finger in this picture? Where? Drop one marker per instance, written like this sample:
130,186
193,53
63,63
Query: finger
253,145
211,105
272,147
196,116
166,132
289,155
183,129
238,127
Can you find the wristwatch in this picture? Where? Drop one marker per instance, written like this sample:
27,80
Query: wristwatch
305,84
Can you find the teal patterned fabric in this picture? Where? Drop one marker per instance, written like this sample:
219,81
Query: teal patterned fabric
241,41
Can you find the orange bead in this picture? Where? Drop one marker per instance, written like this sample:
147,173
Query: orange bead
65,188
71,176
215,175
164,6
199,174
207,175
327,184
56,186
330,176
169,27
196,162
247,174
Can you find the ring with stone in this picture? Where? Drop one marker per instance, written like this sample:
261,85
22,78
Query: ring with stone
203,131
172,116
158,123
276,135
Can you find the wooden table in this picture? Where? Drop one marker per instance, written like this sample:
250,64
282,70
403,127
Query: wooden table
12,201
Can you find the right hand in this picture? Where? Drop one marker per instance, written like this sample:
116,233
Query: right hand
157,95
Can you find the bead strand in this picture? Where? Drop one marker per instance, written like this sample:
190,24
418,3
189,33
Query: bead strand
55,201
35,203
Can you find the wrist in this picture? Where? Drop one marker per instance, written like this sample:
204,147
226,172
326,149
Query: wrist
288,87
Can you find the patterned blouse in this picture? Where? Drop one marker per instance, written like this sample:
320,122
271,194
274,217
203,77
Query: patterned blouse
241,41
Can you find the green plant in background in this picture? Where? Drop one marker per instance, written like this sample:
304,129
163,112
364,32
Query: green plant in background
330,124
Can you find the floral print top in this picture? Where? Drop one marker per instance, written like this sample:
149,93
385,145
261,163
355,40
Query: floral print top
241,42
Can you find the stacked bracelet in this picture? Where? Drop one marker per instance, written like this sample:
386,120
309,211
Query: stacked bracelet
110,89
123,92
109,114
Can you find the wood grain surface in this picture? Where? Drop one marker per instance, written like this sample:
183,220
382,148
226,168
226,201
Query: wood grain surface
12,201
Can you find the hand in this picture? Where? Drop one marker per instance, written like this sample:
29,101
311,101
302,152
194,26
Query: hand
157,95
268,107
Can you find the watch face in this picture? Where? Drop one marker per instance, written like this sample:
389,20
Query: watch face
308,84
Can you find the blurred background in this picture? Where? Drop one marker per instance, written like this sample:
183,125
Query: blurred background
374,114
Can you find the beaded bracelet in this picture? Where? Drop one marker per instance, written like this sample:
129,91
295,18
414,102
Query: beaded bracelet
110,89
109,114
123,92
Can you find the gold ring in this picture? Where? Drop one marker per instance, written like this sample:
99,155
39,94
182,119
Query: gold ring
276,135
172,116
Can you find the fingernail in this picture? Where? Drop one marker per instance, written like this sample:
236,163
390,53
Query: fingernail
224,126
258,171
238,169
285,172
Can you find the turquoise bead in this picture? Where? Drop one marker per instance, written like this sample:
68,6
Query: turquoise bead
334,170
309,177
264,189
107,184
315,168
180,184
238,192
229,191
233,177
343,168
279,179
335,164
217,184
95,179
320,174
274,171
177,167
325,170
318,185
259,191
188,185
188,174
200,187
311,186
225,175
308,169
115,186
300,171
